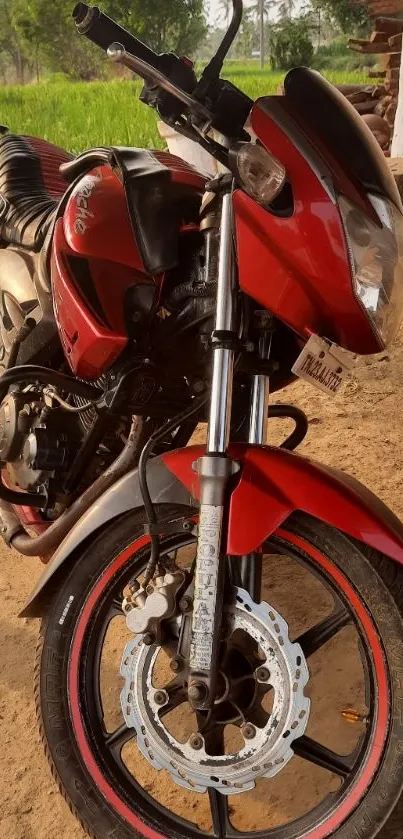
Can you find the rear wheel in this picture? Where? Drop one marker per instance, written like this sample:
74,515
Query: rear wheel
306,728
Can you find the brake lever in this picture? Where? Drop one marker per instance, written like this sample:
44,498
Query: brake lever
118,54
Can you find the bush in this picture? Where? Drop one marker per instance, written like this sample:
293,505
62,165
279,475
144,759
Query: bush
337,56
290,44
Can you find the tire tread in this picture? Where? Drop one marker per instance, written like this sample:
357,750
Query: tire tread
42,734
391,575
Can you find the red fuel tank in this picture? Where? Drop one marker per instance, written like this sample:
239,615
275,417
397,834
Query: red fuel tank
95,263
97,271
96,220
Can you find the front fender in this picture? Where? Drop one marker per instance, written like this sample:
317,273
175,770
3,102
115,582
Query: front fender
273,483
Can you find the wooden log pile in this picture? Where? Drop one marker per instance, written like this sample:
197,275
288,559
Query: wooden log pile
375,8
381,97
365,98
396,168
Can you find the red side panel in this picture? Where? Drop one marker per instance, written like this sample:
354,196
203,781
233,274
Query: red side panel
298,267
97,222
90,346
275,483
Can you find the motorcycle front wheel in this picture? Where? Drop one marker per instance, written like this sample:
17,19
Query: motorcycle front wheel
133,759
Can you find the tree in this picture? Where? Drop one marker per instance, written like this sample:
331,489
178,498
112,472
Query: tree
46,33
44,30
260,10
290,43
246,37
10,43
285,9
28,34
209,45
169,25
225,10
347,15
122,10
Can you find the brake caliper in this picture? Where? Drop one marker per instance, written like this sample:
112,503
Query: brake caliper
145,609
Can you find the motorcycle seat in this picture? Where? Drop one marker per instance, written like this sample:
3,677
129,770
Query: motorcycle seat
31,188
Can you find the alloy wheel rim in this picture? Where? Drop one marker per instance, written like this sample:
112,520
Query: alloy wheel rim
106,750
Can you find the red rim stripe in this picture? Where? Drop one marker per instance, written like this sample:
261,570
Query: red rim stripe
74,670
366,777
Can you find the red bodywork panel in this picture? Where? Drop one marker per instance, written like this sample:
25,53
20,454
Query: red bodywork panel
275,483
95,228
95,261
271,485
90,346
300,268
96,221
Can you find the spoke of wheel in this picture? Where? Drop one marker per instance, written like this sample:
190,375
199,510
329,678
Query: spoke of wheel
321,756
219,813
117,607
315,638
177,695
246,678
119,738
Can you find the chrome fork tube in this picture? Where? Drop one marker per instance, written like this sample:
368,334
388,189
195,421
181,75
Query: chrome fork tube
223,359
251,565
215,470
260,398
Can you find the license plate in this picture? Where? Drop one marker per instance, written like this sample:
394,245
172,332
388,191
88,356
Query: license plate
324,365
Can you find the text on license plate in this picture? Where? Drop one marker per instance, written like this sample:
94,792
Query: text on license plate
318,371
321,364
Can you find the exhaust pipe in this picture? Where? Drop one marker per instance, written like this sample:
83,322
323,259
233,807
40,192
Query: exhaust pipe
15,534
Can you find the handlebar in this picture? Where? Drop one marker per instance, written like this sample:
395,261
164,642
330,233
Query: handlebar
171,82
214,67
103,31
118,54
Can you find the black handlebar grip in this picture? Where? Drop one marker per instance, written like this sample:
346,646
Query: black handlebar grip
103,31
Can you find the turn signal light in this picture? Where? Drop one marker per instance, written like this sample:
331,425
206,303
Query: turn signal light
260,174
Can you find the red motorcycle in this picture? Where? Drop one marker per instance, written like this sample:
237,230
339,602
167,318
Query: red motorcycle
201,611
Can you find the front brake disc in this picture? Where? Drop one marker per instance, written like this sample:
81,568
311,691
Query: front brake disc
266,749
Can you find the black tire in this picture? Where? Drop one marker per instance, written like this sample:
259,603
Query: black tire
378,583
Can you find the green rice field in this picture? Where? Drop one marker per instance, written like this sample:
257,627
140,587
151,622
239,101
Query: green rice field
80,115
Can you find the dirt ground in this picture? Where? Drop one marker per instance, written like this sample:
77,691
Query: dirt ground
359,431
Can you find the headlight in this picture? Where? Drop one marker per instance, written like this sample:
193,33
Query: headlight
376,257
260,174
